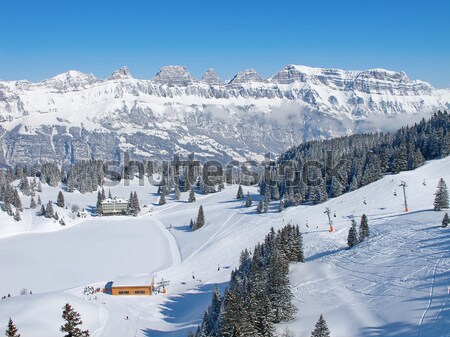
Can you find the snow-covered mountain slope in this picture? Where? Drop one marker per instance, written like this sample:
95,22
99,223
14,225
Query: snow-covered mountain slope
77,116
394,284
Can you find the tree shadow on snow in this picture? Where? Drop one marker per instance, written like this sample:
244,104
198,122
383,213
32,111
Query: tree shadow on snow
405,329
184,228
185,311
325,253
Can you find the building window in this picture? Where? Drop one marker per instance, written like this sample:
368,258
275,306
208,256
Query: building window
124,292
140,292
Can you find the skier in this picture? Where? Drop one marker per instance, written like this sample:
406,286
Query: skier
365,202
193,277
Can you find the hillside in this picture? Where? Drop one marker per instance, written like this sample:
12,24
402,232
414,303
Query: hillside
75,116
394,284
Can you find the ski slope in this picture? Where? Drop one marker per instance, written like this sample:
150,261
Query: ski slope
394,284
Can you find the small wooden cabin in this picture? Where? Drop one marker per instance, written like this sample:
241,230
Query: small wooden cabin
127,289
131,290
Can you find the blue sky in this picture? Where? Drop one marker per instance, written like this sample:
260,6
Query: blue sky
40,39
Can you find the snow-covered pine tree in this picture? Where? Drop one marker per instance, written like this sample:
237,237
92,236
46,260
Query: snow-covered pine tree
209,326
441,196
11,330
49,210
42,210
39,202
240,193
17,215
162,199
352,238
98,207
60,200
17,202
260,207
103,196
363,228
32,203
279,291
109,194
56,216
177,192
7,208
136,205
24,186
72,322
131,203
193,225
39,186
191,195
248,200
281,206
321,328
445,220
200,218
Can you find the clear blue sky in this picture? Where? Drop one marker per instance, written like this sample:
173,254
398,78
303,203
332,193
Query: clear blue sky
40,39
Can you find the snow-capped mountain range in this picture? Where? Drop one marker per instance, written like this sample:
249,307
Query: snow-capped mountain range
75,116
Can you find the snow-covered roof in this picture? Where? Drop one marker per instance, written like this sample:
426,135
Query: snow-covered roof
114,200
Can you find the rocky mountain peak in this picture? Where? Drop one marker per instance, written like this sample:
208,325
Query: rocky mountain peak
173,75
246,76
122,73
211,77
71,80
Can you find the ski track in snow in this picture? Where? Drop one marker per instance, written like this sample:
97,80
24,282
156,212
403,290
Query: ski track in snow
430,299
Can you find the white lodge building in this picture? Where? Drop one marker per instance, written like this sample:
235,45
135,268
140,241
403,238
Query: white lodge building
114,206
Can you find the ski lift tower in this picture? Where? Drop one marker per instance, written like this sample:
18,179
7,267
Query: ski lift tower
328,212
403,185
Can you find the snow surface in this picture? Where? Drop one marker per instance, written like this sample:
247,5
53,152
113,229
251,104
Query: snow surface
394,284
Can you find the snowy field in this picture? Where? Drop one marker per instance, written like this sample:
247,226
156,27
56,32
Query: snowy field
394,284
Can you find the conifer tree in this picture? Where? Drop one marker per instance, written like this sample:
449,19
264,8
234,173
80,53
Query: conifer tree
191,195
200,218
281,206
352,238
17,215
42,211
39,186
240,193
260,207
248,201
441,196
109,194
7,208
321,328
103,197
49,210
60,200
192,225
72,321
445,220
39,202
162,199
98,207
177,192
210,322
32,203
11,331
136,205
17,202
363,228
